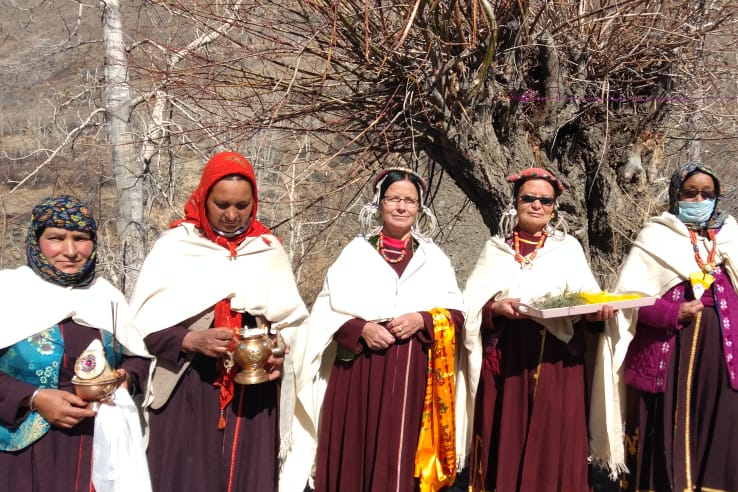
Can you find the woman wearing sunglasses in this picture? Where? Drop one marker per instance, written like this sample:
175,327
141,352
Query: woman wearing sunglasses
679,357
530,424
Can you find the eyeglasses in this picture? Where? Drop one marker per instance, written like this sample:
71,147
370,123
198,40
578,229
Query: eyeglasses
546,201
395,200
692,193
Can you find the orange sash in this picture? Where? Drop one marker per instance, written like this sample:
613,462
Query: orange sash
435,458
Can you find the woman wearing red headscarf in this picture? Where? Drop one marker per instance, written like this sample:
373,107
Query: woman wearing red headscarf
213,273
529,416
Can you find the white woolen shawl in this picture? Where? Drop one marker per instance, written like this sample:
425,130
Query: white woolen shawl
660,258
360,284
186,273
560,265
31,305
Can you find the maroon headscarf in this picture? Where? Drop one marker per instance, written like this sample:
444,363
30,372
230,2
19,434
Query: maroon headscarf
521,177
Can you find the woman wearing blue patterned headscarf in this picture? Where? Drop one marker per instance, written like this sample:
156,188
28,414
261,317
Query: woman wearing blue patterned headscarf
56,314
679,357
63,213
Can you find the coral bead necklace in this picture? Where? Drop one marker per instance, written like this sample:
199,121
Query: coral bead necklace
709,266
383,250
526,262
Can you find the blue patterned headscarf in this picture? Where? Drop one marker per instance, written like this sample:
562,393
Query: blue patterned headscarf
64,212
675,187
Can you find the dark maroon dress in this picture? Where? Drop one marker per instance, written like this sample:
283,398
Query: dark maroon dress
530,422
371,414
62,459
187,451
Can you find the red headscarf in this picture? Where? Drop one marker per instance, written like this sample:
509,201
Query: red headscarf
536,173
218,167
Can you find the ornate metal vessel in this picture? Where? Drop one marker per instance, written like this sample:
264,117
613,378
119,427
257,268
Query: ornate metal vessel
93,379
252,351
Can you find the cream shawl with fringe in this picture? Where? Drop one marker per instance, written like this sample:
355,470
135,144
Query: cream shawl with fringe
559,266
186,273
660,258
360,284
31,305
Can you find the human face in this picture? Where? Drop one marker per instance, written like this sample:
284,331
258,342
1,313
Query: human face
66,250
697,187
398,218
229,204
533,217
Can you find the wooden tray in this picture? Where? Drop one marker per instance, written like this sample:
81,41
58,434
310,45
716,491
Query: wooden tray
584,308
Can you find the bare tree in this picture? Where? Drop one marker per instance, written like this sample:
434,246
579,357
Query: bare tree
319,94
104,103
603,93
128,168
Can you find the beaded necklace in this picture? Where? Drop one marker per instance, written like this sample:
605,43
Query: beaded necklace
526,262
709,266
383,251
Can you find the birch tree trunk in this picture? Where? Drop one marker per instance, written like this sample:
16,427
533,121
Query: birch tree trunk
127,167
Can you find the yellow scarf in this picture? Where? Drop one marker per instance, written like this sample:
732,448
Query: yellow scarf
435,458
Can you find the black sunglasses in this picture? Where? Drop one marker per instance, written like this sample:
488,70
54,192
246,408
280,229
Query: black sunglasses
545,200
691,193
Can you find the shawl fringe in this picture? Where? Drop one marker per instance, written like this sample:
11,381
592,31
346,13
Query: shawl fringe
614,470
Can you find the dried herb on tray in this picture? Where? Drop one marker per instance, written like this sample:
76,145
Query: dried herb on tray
565,299
569,298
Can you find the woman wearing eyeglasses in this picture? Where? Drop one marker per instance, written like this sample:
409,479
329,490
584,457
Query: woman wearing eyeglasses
529,428
384,323
679,357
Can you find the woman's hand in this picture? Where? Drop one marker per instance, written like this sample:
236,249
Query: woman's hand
688,310
604,313
123,379
213,342
405,326
61,408
376,336
507,307
275,364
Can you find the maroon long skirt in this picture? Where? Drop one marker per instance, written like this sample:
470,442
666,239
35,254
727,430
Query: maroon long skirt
530,424
370,421
188,452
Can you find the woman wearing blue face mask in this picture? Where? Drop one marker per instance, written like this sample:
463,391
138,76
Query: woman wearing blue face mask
679,357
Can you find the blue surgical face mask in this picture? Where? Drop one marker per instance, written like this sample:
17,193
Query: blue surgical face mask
696,212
